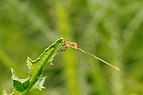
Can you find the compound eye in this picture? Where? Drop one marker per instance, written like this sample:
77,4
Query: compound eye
66,42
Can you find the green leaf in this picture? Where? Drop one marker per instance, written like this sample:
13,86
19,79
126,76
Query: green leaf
36,66
29,62
40,83
19,84
22,86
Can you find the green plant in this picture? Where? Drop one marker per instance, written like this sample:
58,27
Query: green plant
22,86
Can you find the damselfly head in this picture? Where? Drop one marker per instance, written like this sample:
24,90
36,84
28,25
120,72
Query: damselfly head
70,44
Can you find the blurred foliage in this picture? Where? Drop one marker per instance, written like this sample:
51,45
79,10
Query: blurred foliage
110,29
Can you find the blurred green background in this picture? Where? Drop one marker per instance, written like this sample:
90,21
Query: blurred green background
110,29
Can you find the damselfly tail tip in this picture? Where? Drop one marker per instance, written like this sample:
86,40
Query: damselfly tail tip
117,69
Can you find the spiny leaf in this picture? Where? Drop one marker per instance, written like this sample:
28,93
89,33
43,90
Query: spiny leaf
36,66
19,84
29,62
22,86
40,83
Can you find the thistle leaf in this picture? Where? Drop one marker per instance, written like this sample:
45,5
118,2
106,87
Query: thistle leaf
22,86
29,62
19,84
40,84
